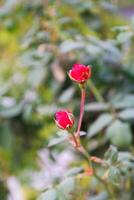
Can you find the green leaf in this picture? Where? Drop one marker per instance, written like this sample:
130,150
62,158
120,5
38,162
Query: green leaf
58,140
123,101
74,171
127,114
47,110
111,154
69,45
6,136
66,95
48,195
124,171
62,133
119,134
36,76
96,106
66,188
124,155
101,122
114,175
120,28
127,159
124,37
5,87
100,196
93,50
11,111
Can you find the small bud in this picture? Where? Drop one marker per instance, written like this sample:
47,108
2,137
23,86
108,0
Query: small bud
80,73
64,119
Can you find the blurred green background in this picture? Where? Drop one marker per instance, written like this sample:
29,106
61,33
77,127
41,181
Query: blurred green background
39,42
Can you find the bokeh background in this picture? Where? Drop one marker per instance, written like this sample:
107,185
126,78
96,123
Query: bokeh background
39,42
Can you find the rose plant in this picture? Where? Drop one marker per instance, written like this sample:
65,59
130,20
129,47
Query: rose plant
64,119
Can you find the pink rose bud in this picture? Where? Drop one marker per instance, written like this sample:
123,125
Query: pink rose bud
80,73
64,119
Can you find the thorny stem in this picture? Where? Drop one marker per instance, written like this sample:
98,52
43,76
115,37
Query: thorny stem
76,137
83,95
88,157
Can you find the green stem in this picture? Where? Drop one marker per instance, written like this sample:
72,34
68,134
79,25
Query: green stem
87,155
77,144
76,138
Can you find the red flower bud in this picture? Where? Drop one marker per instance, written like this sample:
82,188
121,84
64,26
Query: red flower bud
80,73
64,119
